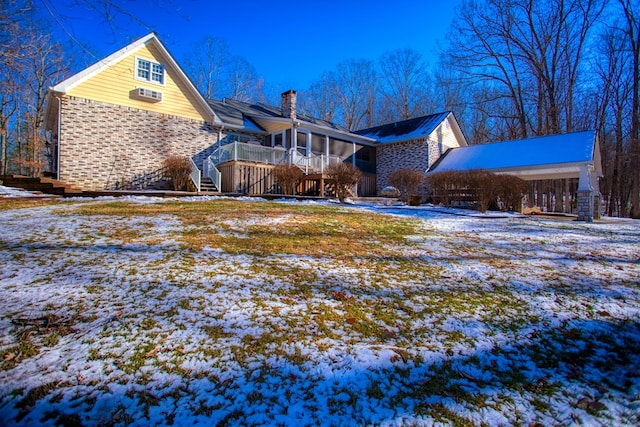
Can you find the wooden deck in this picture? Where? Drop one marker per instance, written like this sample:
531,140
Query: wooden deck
257,178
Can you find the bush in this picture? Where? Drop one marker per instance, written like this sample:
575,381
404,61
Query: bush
511,190
440,185
287,177
179,169
408,182
342,177
479,186
483,185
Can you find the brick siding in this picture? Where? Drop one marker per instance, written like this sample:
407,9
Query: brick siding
103,145
416,154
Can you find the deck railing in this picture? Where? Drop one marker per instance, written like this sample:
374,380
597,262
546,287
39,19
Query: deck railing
313,162
240,151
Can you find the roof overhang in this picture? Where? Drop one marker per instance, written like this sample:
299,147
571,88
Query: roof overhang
279,124
543,172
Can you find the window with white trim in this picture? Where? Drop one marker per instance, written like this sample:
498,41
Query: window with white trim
149,71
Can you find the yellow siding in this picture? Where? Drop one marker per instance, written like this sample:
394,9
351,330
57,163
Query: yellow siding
115,84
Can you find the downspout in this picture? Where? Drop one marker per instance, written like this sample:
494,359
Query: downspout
58,144
219,139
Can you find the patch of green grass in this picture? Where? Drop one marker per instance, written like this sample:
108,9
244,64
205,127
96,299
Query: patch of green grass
9,203
12,356
148,323
140,357
215,332
444,415
51,340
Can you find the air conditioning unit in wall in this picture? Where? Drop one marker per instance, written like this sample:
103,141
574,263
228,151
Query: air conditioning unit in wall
148,95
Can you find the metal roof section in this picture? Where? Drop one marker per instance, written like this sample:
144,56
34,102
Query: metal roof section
554,153
420,127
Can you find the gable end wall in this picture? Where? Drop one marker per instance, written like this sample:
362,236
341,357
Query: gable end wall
102,144
417,154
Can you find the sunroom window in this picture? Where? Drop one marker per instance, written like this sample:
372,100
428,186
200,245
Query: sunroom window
149,71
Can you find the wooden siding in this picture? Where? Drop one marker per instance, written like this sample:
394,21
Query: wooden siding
367,185
257,178
115,84
445,136
247,178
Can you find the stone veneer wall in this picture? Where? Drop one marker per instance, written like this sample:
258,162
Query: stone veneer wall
104,144
589,203
416,154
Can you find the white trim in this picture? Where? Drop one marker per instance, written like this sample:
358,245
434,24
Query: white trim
150,80
151,38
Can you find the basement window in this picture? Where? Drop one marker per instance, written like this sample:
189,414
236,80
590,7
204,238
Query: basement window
149,71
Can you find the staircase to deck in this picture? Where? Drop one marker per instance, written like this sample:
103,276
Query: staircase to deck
41,184
207,186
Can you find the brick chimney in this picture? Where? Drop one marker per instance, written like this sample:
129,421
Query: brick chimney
289,104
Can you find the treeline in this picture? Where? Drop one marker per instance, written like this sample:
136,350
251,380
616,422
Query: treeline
510,69
30,60
513,69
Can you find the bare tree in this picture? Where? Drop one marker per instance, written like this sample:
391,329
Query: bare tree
11,33
321,99
29,62
242,82
403,76
530,51
612,101
631,12
207,64
356,81
44,63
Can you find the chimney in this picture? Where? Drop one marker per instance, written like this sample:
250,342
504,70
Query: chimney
289,104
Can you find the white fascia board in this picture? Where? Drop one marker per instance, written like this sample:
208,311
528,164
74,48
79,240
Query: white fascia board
183,76
89,72
68,84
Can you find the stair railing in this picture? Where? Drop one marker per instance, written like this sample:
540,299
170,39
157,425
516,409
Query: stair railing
210,170
195,175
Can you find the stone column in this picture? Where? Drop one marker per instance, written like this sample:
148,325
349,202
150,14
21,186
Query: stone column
588,195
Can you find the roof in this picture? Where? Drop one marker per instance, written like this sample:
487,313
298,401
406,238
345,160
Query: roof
406,129
245,115
539,152
151,38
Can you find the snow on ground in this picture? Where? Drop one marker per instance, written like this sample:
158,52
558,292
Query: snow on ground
110,320
15,192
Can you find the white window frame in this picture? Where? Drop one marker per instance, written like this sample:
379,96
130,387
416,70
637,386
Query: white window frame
150,71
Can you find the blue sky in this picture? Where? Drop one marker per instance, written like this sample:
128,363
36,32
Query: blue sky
290,43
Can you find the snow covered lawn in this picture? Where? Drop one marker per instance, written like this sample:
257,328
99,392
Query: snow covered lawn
232,312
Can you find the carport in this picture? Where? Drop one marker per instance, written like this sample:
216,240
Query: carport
564,156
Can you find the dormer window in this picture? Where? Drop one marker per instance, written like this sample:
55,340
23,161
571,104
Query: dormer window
149,71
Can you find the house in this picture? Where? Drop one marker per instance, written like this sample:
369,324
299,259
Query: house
573,155
113,124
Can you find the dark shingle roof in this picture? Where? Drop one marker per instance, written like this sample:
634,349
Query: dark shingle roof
406,129
236,112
